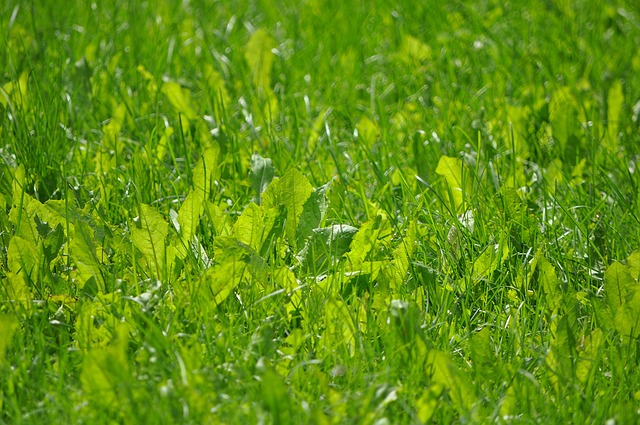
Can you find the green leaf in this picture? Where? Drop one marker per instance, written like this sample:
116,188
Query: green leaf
23,257
549,282
325,247
633,264
615,100
222,279
262,173
149,236
489,261
8,327
250,227
367,237
618,285
188,218
216,87
83,254
445,373
313,212
105,372
292,191
457,177
563,115
259,57
180,99
206,171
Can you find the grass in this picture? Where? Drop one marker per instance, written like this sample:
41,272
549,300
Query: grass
240,212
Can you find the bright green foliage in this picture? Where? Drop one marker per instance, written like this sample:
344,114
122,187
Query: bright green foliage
83,253
291,191
457,178
319,212
260,58
149,236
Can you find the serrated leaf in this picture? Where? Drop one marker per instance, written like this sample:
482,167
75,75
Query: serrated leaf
150,239
262,172
457,178
259,57
83,254
180,99
292,191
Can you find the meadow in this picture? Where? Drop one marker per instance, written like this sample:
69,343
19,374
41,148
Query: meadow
319,212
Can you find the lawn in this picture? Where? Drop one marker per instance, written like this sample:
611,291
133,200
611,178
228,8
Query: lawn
319,212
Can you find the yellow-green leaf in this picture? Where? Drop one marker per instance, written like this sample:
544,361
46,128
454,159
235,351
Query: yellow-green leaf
292,191
259,57
457,177
8,327
83,254
149,237
180,99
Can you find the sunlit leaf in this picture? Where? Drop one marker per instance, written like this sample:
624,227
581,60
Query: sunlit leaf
83,254
457,177
615,100
149,238
292,191
259,57
8,327
205,172
180,99
262,172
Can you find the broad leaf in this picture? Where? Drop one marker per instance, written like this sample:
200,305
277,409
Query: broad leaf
262,173
180,99
83,254
8,327
292,191
457,177
259,57
206,171
149,237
